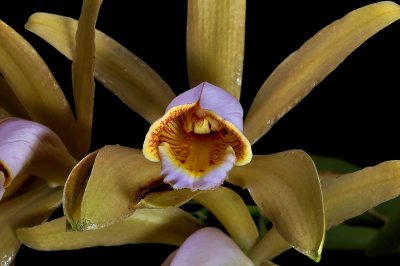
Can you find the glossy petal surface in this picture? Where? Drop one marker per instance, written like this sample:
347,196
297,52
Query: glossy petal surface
352,194
166,199
169,226
106,186
123,73
345,196
268,247
231,211
37,91
9,103
286,188
215,43
83,72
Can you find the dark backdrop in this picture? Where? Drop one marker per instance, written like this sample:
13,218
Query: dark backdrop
352,114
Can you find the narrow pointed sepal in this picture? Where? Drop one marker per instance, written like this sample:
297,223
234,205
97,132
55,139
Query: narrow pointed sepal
120,71
215,43
83,73
301,71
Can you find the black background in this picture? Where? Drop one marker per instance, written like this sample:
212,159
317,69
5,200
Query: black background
353,114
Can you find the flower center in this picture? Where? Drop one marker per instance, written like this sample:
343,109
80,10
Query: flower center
198,121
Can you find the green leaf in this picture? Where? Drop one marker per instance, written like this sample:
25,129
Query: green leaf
337,165
345,237
387,240
389,209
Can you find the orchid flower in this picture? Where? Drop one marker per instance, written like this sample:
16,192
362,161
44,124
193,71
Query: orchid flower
39,135
111,168
112,185
199,139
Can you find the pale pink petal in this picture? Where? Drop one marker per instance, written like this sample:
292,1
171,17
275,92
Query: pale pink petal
17,140
215,99
30,147
209,247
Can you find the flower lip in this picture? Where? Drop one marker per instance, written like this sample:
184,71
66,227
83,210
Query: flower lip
199,138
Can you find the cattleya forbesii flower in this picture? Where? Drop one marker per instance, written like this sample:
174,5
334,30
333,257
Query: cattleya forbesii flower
115,196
